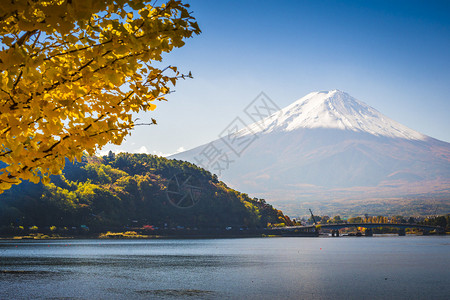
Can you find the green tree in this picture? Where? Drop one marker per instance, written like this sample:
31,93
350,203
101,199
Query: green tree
355,220
337,219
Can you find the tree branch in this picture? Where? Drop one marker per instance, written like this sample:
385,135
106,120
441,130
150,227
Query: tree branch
24,37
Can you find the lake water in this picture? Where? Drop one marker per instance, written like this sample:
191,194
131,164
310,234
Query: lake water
411,267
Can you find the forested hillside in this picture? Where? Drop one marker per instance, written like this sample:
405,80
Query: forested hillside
130,190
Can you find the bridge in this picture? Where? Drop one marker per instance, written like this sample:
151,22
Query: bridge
309,230
369,227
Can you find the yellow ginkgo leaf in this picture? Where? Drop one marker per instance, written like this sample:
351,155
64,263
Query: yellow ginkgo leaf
72,74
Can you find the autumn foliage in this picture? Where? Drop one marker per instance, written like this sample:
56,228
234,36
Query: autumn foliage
108,193
72,74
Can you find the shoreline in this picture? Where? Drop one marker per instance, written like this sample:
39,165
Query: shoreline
191,236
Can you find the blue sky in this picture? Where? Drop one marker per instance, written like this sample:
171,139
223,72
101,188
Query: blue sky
392,55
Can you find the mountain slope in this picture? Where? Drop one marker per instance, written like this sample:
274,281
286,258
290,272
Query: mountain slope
328,146
129,190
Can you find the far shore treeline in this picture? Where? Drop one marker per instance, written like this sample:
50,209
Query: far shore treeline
441,221
127,191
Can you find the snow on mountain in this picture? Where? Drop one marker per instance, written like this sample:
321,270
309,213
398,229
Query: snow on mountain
333,109
328,146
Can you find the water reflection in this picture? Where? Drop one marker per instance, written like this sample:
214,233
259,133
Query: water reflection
306,268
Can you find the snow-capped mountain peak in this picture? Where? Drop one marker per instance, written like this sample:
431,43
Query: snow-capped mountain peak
330,148
332,109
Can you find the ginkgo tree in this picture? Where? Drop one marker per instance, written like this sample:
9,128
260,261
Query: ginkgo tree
73,72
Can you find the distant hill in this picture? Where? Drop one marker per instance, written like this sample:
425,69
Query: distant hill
133,190
333,153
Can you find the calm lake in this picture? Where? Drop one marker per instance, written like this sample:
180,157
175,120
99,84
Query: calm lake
392,267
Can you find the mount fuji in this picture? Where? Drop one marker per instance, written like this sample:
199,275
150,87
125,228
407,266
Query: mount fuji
336,154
